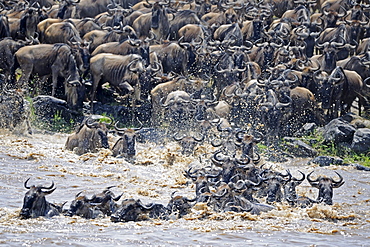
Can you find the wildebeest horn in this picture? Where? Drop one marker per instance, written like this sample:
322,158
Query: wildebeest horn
337,184
313,183
190,200
119,129
237,135
25,184
199,139
190,174
158,67
213,142
280,105
78,194
48,188
178,138
131,64
147,207
256,160
218,159
243,161
214,175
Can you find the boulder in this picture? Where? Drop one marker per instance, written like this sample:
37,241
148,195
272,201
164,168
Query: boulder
349,117
327,160
307,129
361,141
299,148
361,167
47,108
338,131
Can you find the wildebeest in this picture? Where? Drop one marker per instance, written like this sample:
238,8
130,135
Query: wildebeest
126,144
179,205
340,90
188,143
35,204
8,47
131,210
61,32
325,186
121,72
47,60
100,204
82,206
89,137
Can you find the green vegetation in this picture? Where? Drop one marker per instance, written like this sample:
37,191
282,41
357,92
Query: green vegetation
325,148
60,124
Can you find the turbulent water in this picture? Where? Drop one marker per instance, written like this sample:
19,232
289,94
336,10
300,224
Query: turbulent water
155,174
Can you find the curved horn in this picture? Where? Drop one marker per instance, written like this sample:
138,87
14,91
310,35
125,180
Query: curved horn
337,184
50,187
178,138
25,184
119,129
199,139
313,183
218,159
147,207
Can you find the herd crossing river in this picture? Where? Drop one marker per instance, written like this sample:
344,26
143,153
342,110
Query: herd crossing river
155,174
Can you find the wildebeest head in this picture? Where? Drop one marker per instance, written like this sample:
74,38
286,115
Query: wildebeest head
325,186
75,93
247,142
160,23
101,129
67,9
81,53
34,202
290,187
188,143
275,184
200,178
126,144
180,205
331,87
130,210
82,206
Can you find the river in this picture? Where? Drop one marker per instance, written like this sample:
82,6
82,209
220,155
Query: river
152,177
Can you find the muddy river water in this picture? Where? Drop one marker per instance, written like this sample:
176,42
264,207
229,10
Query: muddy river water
156,173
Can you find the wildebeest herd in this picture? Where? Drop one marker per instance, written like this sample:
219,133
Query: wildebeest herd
200,65
238,187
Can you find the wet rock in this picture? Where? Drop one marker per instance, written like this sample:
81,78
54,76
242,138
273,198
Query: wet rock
306,130
46,108
326,161
349,117
361,167
299,148
361,141
338,131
